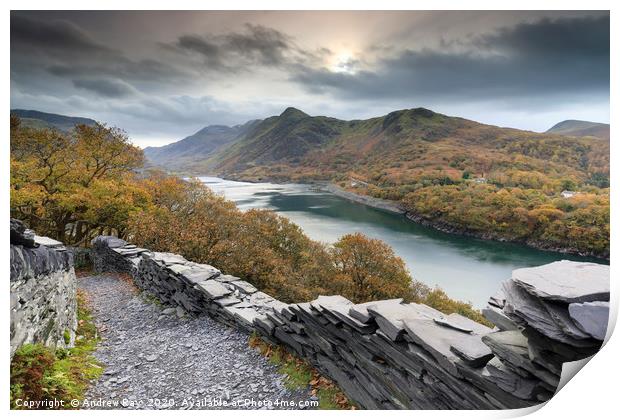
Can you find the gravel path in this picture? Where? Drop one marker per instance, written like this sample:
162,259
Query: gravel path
156,360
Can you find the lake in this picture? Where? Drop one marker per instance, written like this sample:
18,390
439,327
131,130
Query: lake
467,269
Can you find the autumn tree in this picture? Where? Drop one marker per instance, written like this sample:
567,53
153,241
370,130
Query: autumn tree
371,270
72,185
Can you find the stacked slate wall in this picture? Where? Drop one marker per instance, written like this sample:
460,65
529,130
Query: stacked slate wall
389,354
43,290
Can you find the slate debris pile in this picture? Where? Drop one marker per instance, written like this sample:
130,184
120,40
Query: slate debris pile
389,354
548,315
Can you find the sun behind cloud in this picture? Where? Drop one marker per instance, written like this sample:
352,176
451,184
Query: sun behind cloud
343,62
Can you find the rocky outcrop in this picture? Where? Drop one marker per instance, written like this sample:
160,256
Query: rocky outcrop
43,290
390,354
549,315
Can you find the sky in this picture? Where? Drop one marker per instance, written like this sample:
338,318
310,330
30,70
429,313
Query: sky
164,75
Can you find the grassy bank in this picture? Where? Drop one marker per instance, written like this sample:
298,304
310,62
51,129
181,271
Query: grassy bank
300,375
43,374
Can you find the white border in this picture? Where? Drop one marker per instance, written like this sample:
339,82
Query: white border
592,394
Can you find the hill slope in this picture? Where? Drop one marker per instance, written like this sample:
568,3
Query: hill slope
405,147
185,153
453,174
579,128
450,173
38,119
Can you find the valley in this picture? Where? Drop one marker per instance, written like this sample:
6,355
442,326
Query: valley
449,173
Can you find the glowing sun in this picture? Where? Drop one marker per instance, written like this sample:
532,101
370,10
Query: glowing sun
343,63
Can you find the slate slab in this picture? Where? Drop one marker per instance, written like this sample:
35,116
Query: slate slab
390,316
227,278
360,311
499,319
461,323
566,281
530,310
245,315
227,301
48,242
437,340
591,318
511,347
331,302
506,379
196,274
472,351
559,313
264,323
337,309
244,286
213,289
498,299
168,258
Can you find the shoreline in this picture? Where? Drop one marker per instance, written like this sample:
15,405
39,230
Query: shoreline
377,203
395,208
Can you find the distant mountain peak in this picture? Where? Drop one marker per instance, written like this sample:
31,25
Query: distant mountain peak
216,128
579,128
292,112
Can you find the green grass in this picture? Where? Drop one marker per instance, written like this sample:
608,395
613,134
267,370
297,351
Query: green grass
151,299
300,375
40,373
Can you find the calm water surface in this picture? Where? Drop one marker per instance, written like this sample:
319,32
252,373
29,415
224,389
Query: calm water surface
467,269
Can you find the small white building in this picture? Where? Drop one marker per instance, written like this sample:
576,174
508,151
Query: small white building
568,194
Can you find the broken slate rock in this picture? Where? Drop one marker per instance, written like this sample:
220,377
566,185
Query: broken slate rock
591,317
213,289
498,318
244,286
472,351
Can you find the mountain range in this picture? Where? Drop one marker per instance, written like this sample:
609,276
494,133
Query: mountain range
38,119
399,148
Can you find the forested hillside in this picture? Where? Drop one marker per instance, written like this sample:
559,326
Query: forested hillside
455,174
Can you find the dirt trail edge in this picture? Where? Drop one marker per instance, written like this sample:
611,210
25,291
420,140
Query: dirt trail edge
159,358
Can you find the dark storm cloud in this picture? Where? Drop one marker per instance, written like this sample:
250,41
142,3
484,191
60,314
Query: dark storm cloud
546,57
55,35
576,38
105,87
162,72
255,45
263,45
210,51
120,67
65,50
